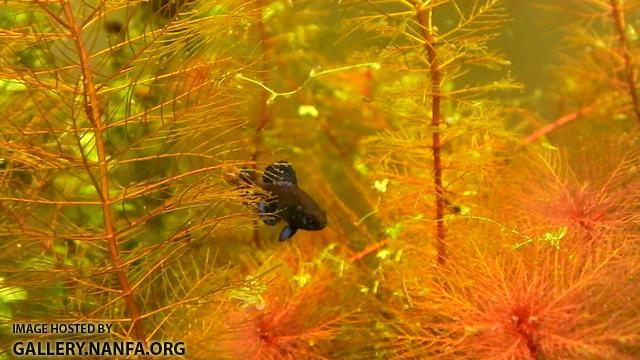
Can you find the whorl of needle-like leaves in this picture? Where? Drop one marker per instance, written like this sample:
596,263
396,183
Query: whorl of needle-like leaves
118,119
430,53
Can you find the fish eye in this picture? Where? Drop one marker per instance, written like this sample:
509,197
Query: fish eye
308,220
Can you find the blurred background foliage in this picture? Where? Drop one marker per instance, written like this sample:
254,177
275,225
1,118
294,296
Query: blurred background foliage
477,159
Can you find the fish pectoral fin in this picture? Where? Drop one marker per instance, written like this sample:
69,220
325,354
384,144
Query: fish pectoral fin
287,232
270,219
266,212
280,171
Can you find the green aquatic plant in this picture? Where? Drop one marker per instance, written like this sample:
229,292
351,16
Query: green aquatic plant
117,125
459,224
596,77
442,131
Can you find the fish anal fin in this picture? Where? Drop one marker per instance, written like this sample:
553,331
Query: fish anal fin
287,232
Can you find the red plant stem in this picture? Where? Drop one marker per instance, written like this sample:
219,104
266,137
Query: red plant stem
527,333
617,13
559,122
424,15
533,348
264,112
368,250
92,109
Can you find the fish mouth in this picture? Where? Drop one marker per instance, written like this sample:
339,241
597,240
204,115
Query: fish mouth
323,221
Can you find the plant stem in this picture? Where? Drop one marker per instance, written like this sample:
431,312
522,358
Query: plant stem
556,124
424,16
369,250
264,112
92,110
617,12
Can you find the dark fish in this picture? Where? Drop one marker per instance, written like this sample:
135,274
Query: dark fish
286,201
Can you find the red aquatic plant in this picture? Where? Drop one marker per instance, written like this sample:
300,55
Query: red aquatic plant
289,312
548,198
536,304
291,324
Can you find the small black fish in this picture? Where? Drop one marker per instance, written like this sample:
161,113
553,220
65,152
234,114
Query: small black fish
286,201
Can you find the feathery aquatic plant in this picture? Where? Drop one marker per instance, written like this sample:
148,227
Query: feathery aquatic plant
442,130
118,120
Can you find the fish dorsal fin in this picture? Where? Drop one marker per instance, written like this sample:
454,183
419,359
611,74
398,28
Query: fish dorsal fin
280,171
247,176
